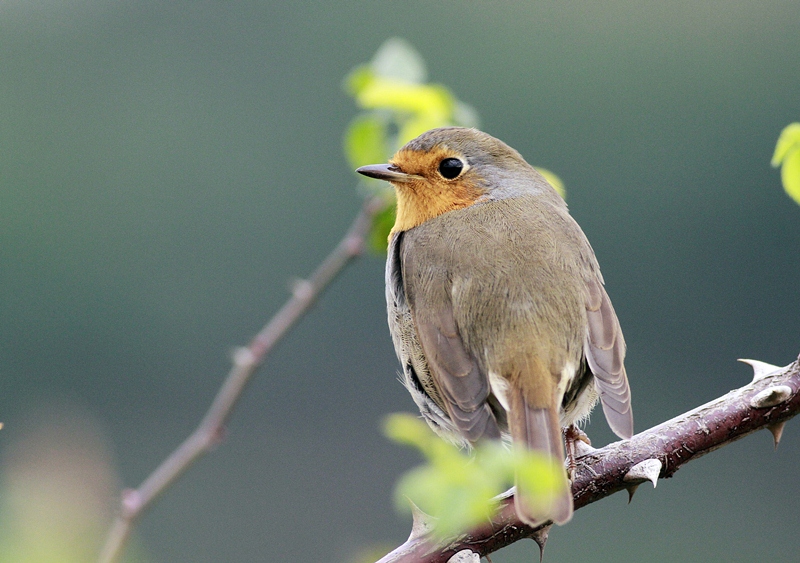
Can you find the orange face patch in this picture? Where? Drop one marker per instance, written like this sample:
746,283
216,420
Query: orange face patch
431,195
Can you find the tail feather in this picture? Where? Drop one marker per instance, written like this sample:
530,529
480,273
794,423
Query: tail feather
539,430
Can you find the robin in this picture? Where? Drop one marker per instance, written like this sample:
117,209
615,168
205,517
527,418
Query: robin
496,303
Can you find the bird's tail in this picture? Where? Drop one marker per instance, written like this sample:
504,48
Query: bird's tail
539,430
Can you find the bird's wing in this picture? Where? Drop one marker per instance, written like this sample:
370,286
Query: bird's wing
605,354
416,374
455,372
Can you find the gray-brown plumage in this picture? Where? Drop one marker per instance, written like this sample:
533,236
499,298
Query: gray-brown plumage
496,302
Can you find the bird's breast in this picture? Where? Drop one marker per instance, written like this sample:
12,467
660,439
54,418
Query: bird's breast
513,283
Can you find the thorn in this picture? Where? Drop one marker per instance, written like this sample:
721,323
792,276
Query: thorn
760,369
771,396
421,523
507,494
583,448
631,490
647,470
540,537
465,556
777,432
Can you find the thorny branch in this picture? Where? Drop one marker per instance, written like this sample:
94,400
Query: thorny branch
246,360
768,401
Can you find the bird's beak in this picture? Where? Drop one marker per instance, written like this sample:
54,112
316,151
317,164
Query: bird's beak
388,172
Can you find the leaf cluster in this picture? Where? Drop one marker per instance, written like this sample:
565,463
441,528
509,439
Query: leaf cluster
462,488
397,105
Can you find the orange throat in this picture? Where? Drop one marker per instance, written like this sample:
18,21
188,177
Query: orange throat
417,202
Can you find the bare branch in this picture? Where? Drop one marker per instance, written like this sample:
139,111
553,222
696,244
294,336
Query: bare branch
768,401
246,361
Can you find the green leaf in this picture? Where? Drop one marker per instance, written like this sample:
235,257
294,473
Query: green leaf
407,429
459,494
366,141
553,180
787,155
358,79
788,141
397,95
790,174
458,487
381,227
396,58
541,476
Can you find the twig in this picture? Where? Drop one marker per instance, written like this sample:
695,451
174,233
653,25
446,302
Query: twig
246,361
768,401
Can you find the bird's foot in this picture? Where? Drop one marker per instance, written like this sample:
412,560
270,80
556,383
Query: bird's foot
573,434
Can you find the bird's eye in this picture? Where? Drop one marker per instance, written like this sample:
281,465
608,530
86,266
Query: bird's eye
450,168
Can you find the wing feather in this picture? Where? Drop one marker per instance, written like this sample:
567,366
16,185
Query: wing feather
455,372
605,354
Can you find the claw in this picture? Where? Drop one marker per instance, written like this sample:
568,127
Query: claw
578,444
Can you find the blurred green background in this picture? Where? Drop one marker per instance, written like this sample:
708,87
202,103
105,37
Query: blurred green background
167,167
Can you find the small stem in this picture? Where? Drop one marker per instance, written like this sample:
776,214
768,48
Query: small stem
246,361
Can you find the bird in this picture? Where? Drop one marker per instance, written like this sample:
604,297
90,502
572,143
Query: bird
496,304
